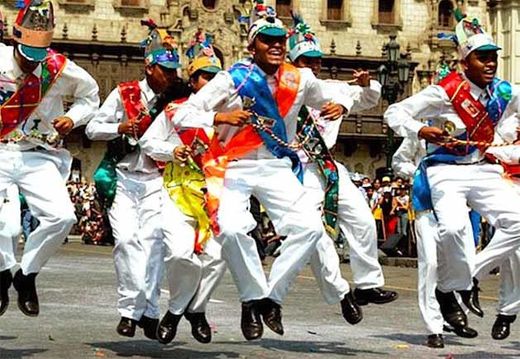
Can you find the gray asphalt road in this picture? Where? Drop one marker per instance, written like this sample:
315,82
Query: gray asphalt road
78,320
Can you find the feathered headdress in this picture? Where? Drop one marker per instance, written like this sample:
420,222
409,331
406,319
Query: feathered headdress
160,47
34,28
201,54
469,35
302,41
262,20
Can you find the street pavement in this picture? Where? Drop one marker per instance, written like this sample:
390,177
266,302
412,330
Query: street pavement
78,319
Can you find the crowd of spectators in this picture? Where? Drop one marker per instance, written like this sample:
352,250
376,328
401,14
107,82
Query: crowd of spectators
92,225
389,200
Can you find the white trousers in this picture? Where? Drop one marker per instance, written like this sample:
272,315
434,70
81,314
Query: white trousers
40,176
135,218
10,226
192,277
357,223
427,237
293,215
509,295
428,262
481,187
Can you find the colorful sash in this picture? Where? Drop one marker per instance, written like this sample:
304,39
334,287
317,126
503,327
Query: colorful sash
479,121
251,85
211,158
480,126
136,111
17,107
317,151
186,184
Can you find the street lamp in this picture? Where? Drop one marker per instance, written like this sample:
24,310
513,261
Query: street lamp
393,75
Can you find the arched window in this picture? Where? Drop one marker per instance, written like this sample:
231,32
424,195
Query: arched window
445,14
283,8
209,4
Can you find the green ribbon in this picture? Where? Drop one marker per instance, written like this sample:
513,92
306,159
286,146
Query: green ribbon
318,152
105,176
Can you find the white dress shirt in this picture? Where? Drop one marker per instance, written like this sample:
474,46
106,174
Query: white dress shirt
104,126
73,81
161,139
363,97
408,156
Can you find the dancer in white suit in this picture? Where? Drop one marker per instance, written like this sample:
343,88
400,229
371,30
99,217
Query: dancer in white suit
34,81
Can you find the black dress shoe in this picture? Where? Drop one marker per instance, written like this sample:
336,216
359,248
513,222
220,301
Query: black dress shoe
126,327
27,297
435,341
272,315
500,329
6,279
167,329
350,309
200,328
470,299
451,310
374,295
149,326
463,332
250,321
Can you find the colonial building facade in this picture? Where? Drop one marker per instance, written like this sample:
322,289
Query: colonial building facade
103,36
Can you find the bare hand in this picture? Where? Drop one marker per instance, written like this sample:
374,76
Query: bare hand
235,118
63,125
362,78
127,128
332,111
433,135
182,153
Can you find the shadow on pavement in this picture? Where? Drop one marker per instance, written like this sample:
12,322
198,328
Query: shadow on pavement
302,346
420,339
7,337
151,349
512,345
483,355
19,353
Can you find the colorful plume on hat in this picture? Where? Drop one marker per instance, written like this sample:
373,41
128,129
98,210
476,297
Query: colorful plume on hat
201,54
469,35
34,25
159,47
262,20
302,41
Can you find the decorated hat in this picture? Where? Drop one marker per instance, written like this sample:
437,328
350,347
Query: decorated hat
201,54
159,47
302,41
33,29
470,35
262,20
